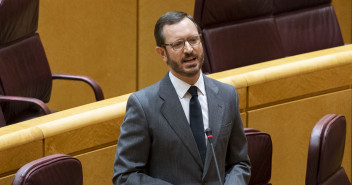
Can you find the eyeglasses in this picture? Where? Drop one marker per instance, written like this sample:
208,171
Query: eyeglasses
180,44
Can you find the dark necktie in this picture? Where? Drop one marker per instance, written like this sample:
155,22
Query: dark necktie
196,121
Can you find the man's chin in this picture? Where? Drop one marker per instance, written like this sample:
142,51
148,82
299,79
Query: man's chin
190,72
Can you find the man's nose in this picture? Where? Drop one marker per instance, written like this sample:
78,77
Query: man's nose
188,48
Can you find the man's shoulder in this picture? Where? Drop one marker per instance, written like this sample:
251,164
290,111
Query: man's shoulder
148,91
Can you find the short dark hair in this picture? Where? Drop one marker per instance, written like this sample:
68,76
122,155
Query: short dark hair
169,18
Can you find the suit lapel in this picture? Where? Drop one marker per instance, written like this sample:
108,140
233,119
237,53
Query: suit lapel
173,112
215,111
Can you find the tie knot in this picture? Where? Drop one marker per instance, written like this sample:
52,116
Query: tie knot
193,91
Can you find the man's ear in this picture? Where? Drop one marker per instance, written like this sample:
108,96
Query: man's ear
161,51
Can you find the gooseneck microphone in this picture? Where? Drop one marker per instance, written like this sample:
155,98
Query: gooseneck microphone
209,134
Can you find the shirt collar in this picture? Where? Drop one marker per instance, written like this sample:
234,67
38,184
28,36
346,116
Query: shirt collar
182,87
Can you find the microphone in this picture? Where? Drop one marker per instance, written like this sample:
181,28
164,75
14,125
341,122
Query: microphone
209,134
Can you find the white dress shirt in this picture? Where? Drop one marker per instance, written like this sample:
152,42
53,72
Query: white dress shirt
182,87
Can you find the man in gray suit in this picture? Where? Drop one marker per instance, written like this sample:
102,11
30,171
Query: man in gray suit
159,143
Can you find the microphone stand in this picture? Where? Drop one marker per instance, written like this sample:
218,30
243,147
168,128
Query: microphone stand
208,132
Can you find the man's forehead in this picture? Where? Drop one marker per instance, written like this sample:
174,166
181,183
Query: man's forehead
179,29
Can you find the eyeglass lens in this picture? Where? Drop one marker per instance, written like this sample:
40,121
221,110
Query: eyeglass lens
179,44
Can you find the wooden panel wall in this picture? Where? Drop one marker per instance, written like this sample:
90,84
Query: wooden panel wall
112,42
92,38
98,174
290,125
343,9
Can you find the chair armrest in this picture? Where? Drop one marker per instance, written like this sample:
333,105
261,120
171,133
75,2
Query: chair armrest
34,101
95,86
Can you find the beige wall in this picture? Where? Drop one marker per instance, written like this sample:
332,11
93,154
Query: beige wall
92,38
344,15
112,42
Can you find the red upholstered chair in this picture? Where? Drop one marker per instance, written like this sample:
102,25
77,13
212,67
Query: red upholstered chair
2,119
243,32
25,75
260,154
325,154
306,26
57,169
237,33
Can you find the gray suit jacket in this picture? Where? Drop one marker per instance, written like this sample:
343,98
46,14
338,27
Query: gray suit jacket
156,145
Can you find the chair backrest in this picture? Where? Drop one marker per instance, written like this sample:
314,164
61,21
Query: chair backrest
260,154
18,19
300,24
237,33
57,169
325,153
24,69
243,32
2,119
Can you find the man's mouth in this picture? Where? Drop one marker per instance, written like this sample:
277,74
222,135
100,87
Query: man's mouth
191,59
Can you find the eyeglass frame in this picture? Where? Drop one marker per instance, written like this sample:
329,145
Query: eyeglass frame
184,42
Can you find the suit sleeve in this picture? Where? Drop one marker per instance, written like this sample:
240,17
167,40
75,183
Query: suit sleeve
133,148
237,160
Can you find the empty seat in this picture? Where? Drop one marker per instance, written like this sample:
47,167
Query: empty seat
260,154
57,169
237,33
325,153
25,75
306,26
2,119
